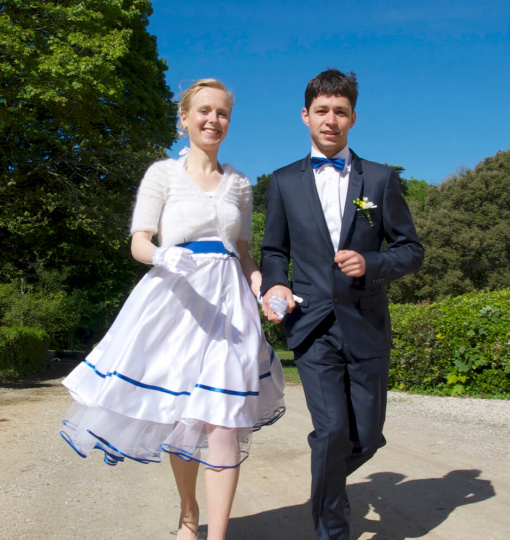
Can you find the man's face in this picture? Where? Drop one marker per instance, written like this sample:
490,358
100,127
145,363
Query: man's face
329,118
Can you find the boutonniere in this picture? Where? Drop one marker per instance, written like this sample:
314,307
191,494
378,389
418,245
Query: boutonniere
365,206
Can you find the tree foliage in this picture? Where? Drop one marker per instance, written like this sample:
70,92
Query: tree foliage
260,193
464,226
257,235
44,305
22,352
84,109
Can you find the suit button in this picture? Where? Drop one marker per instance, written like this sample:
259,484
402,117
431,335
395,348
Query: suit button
336,301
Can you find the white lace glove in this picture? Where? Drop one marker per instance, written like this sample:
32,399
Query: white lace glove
281,306
174,259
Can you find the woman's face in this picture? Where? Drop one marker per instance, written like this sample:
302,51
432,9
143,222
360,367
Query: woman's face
208,118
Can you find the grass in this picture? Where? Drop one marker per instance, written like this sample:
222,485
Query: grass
290,371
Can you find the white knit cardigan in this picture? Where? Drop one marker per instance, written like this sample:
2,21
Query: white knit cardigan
172,205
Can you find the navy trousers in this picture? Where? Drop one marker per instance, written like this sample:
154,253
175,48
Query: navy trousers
346,398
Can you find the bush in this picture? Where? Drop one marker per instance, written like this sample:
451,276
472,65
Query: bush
69,315
54,311
457,346
22,351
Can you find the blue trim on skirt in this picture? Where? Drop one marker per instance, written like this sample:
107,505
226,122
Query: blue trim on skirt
172,392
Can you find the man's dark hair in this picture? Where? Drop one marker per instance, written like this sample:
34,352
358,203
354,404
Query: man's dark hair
332,83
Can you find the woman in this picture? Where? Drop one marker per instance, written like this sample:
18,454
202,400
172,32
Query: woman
185,367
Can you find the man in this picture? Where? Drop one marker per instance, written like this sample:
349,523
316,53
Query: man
331,212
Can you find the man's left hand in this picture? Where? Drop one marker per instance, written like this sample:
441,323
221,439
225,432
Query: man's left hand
351,263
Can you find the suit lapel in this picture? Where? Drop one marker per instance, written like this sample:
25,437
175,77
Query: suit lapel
309,190
353,192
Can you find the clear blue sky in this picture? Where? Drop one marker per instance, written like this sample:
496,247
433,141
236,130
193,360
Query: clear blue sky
434,76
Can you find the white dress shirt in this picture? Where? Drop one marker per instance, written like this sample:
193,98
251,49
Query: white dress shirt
332,187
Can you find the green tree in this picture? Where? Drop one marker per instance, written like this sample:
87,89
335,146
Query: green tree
416,192
45,306
260,193
257,235
465,229
84,109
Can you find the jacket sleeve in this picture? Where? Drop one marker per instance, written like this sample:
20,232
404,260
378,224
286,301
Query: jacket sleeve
404,253
276,243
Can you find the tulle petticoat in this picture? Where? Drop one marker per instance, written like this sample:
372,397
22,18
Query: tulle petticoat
184,369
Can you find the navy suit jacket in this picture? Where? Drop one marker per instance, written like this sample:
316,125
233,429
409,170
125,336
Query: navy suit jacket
295,225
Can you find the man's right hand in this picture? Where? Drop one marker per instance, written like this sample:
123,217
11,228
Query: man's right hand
281,292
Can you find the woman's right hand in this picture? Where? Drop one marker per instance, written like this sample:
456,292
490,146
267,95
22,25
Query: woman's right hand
175,259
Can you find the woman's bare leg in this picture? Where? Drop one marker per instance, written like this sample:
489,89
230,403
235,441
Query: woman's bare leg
185,473
221,484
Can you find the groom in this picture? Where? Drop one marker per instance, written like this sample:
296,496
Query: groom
330,212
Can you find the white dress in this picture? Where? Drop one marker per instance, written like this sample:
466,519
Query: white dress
186,356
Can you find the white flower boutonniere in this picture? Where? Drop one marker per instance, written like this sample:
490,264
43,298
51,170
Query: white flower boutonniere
365,206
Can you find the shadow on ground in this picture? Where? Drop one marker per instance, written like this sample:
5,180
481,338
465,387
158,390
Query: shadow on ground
403,509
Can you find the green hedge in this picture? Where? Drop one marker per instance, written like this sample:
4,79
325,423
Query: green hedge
457,346
48,308
22,351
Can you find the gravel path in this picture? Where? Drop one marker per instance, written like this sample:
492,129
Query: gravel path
444,474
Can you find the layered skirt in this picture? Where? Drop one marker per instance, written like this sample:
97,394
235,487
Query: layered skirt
184,369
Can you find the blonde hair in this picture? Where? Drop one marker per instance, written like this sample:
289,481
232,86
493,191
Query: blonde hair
187,96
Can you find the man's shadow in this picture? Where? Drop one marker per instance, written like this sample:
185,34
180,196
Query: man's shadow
398,509
413,508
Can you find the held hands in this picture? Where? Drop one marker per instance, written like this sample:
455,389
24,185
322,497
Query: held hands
281,306
277,302
351,263
175,259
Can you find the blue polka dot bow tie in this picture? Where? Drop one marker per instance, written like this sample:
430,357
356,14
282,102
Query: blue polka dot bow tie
338,163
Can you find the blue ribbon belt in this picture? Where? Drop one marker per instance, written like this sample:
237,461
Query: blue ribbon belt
206,246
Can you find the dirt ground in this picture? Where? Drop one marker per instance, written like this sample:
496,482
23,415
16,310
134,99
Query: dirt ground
444,474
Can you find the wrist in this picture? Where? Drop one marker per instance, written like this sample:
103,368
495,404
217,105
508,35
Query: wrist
157,256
